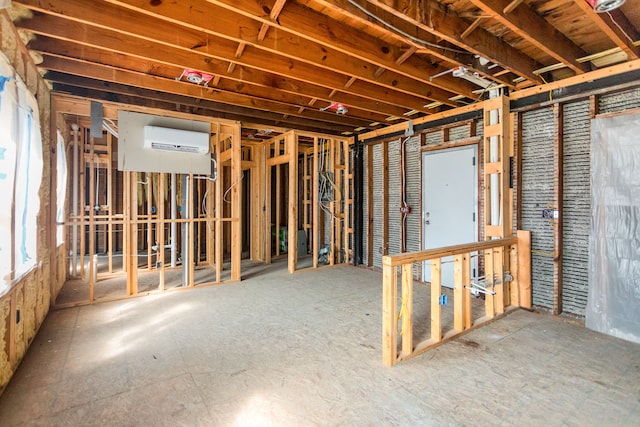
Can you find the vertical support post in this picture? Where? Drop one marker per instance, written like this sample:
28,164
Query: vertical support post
75,201
407,309
92,224
358,205
514,289
389,313
385,198
370,227
292,143
436,310
83,214
174,217
332,204
498,270
466,294
218,210
267,212
489,300
315,200
558,157
110,201
278,204
236,202
524,268
458,294
497,140
149,196
160,226
131,224
191,239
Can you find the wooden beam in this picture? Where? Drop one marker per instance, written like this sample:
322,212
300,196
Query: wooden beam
558,160
445,24
236,201
524,268
525,23
292,222
407,309
389,315
436,309
616,26
275,53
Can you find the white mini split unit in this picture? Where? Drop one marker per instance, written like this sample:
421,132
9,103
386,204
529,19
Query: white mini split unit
177,140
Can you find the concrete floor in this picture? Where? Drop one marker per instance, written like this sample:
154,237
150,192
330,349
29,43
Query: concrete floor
304,350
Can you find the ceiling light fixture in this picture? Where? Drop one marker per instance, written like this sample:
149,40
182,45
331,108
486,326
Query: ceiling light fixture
475,78
602,6
337,107
196,77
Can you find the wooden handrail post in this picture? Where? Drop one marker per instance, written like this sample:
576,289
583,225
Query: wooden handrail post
524,268
389,313
407,309
458,292
436,289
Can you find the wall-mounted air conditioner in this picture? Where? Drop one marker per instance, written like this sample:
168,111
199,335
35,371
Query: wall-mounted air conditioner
169,139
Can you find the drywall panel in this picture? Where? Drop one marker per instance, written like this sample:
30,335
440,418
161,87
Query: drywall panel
576,207
538,133
132,156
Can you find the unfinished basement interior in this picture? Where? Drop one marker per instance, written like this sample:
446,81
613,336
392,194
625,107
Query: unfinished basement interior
319,212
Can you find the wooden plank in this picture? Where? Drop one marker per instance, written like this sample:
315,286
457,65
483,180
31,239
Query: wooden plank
149,196
436,309
466,294
514,287
292,223
92,226
267,215
369,190
219,211
489,300
315,202
332,205
446,251
458,294
191,239
278,206
160,224
407,309
82,190
236,202
110,199
558,158
498,270
385,198
389,315
524,268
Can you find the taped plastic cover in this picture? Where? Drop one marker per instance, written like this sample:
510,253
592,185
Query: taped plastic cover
614,242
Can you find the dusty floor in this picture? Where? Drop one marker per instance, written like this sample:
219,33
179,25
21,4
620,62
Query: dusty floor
304,350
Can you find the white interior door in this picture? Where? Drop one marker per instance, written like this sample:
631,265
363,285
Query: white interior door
449,204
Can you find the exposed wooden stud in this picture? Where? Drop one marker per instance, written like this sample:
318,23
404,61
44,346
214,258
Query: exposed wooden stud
110,201
499,286
385,199
351,81
489,303
292,222
436,309
558,146
511,6
475,24
315,200
389,315
191,237
160,224
458,294
92,224
82,176
524,268
236,202
407,309
219,207
369,190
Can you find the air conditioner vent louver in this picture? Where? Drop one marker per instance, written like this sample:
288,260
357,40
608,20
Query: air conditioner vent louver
177,140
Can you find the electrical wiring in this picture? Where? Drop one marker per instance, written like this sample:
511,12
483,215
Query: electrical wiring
224,196
403,33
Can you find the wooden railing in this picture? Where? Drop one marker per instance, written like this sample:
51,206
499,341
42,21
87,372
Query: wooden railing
506,285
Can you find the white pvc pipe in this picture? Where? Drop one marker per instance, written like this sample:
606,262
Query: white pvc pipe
174,225
74,236
494,157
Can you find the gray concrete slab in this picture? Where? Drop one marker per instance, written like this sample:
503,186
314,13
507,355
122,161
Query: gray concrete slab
305,350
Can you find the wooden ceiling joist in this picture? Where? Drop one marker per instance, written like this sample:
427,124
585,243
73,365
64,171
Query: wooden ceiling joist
532,27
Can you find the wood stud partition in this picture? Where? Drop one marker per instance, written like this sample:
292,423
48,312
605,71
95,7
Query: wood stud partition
302,155
142,210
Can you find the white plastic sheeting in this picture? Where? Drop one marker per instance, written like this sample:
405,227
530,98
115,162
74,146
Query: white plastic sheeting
614,244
